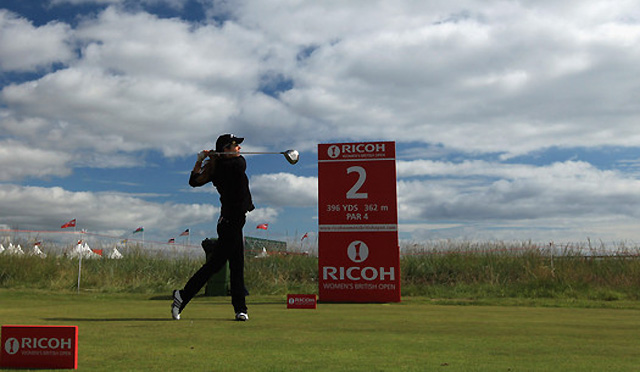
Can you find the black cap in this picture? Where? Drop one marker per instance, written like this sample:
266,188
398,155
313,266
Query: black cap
225,140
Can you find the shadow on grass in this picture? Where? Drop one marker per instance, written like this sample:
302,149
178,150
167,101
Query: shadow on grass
249,302
70,319
76,319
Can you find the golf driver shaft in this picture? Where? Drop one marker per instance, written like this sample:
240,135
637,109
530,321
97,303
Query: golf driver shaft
292,156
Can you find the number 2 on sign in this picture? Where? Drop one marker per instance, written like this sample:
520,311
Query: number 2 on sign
362,176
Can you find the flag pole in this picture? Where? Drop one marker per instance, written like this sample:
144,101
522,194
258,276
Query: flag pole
79,270
75,235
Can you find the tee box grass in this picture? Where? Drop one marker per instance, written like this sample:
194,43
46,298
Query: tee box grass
135,332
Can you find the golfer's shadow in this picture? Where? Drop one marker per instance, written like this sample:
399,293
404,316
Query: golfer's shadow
77,319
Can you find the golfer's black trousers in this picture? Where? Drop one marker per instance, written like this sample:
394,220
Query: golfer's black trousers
230,247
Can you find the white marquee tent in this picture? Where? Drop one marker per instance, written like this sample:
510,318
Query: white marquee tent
37,252
14,249
115,254
82,250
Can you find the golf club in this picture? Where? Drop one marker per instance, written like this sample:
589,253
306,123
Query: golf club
292,156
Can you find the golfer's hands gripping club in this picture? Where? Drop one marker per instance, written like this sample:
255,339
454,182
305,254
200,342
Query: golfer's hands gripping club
201,160
202,155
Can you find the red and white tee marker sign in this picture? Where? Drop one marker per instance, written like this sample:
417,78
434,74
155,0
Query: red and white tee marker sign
359,257
301,301
38,346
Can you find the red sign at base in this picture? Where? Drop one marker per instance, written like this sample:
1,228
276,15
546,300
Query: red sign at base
34,346
301,301
359,267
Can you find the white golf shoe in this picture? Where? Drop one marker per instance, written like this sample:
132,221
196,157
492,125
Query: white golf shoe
242,317
175,306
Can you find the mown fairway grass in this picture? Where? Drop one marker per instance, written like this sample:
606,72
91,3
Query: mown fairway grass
134,332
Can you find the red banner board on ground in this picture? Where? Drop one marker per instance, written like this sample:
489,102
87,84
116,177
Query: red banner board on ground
301,301
35,346
359,257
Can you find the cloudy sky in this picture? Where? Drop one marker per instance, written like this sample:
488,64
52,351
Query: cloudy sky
513,120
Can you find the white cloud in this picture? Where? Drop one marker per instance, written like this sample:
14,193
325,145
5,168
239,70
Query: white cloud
610,232
262,215
48,208
176,4
501,78
481,191
80,2
109,113
477,200
505,78
18,161
223,58
24,47
466,77
149,83
284,189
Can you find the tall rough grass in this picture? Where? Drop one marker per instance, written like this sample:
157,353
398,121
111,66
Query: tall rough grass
282,274
465,272
525,272
138,272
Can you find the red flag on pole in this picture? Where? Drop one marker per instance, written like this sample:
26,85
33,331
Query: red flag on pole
71,223
306,235
263,226
185,233
171,241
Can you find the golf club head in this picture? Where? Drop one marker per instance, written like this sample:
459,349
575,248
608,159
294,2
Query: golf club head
292,156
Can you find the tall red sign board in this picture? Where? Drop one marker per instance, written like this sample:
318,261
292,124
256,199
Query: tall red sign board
359,257
38,346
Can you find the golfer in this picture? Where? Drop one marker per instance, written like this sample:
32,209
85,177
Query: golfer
227,172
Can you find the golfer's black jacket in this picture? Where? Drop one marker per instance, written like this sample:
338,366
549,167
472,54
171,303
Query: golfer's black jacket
229,177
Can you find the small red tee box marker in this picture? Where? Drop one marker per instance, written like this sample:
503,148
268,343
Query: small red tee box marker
36,346
301,301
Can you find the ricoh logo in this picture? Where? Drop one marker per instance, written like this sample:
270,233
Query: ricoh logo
11,346
358,252
28,344
333,151
350,149
301,301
